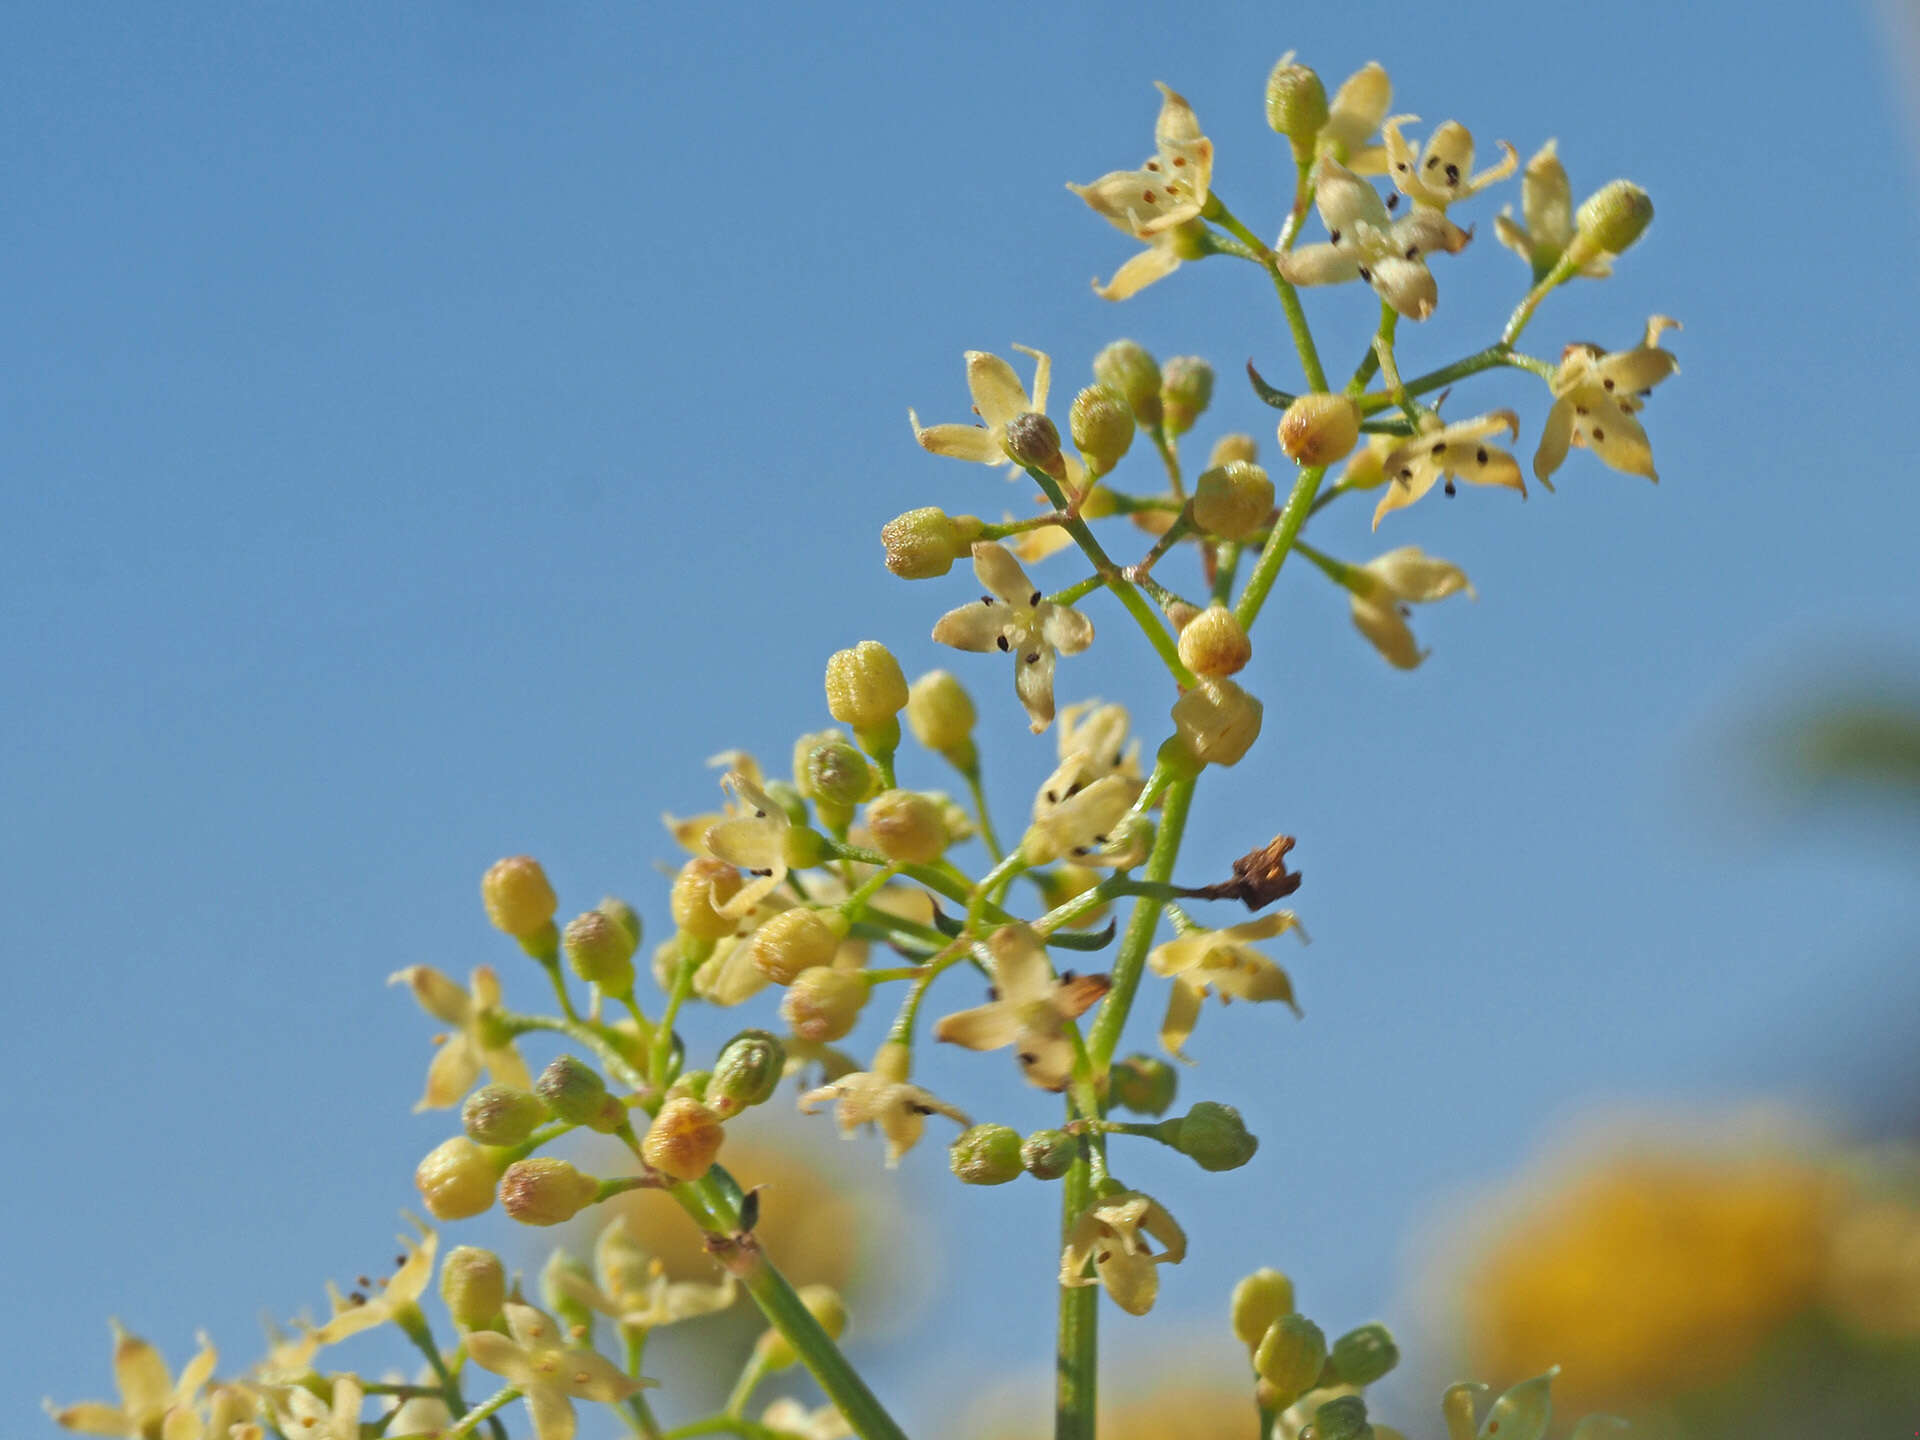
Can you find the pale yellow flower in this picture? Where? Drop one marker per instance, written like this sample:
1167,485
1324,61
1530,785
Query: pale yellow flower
1546,205
304,1416
882,1097
690,832
1168,189
633,1286
1414,466
403,1290
1099,731
1382,588
790,1417
753,836
462,1055
1596,395
228,1411
1017,618
1353,121
1114,1233
148,1393
1365,243
998,398
1443,172
1080,811
548,1373
1165,250
1030,1009
1223,963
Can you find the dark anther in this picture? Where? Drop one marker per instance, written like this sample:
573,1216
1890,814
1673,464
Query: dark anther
1052,799
1481,454
1402,166
1607,384
1450,488
356,1298
1366,274
1439,448
1099,839
1433,160
1067,977
364,1282
759,814
1027,1057
1003,642
918,1108
993,992
1075,788
750,1211
1334,236
1598,433
399,1260
1406,472
1034,598
760,872
1453,174
986,599
1394,199
1413,252
1034,658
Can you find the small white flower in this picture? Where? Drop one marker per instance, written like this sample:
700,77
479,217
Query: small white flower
549,1374
1443,172
1596,395
881,1096
1029,1010
1413,467
998,399
1365,243
1223,963
1017,618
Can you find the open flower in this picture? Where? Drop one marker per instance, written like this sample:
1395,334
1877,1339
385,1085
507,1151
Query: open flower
1114,1233
461,1055
1191,240
633,1287
1167,190
1099,731
881,1096
998,398
1443,172
1596,395
1079,811
305,1416
1224,963
789,1417
690,832
1353,120
1383,588
1365,243
1546,207
1017,618
1029,1010
753,836
1414,466
352,1314
550,1375
147,1392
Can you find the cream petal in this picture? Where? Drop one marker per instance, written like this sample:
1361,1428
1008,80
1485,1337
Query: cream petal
1021,970
902,1127
409,1282
1131,1279
90,1417
1320,265
1160,1224
1508,162
1255,979
491,1350
1345,200
1555,436
348,1400
551,1413
437,994
749,841
1515,236
507,1068
197,1372
530,1328
1619,440
1406,285
1428,231
587,1375
977,627
1628,372
985,1027
1380,621
997,393
182,1422
1033,683
996,568
454,1068
1065,628
1156,262
1183,1013
1411,574
1361,102
1176,956
961,442
1042,376
1046,1060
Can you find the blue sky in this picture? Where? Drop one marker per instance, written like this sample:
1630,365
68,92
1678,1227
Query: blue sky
429,433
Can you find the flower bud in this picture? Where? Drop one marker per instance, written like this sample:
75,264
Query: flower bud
823,1003
924,543
907,827
456,1179
792,941
1186,389
986,1155
702,886
600,949
1320,429
1032,439
865,688
690,1085
473,1283
501,1115
1289,1357
561,1299
1214,1137
1102,426
1296,104
1048,1154
773,1352
1128,368
1363,1355
545,1190
683,1139
575,1093
1259,1300
517,896
1612,218
1218,721
1231,447
833,774
1213,643
1233,500
941,715
747,1072
1144,1084
1344,1418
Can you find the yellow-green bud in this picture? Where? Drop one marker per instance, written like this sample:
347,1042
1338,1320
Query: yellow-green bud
473,1283
517,896
1186,389
923,544
1259,1300
1218,721
1233,500
500,1115
865,688
795,940
747,1072
986,1155
1525,1411
1296,104
1343,1418
1612,218
833,774
575,1093
1128,368
623,915
545,1190
941,715
1213,643
823,1003
1290,1356
561,1299
1363,1355
702,886
1032,439
456,1179
1102,426
1214,1137
1231,447
683,1139
690,1085
600,949
907,827
1048,1154
1144,1084
1320,429
772,1353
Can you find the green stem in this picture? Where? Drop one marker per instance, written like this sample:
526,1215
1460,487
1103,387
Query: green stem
633,1339
1491,358
1523,312
1131,958
413,1324
1289,297
974,788
1224,576
578,1030
464,1426
662,1054
552,967
1279,541
1369,365
1169,457
1077,1353
1077,591
727,1425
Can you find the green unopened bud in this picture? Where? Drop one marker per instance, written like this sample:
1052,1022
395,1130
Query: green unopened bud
545,1190
1218,721
456,1179
1214,1137
1215,643
1296,104
1186,389
1048,1154
773,1353
747,1072
518,897
923,544
824,1004
1611,219
562,1298
1524,1412
833,774
1363,1355
501,1115
1344,1418
941,715
795,940
1231,447
703,885
600,950
575,1093
907,826
1034,440
1128,368
1102,426
1259,1300
1290,1356
690,1085
866,690
1233,500
473,1283
683,1139
986,1155
1320,429
1144,1084
623,915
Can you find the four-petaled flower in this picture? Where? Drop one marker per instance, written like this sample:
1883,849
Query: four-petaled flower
1029,1009
1167,190
549,1374
998,398
1016,617
148,1394
1078,811
359,1312
1595,397
1365,243
753,836
883,1097
1443,172
1225,963
1413,467
633,1287
1384,586
461,1055
305,1416
1110,1234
